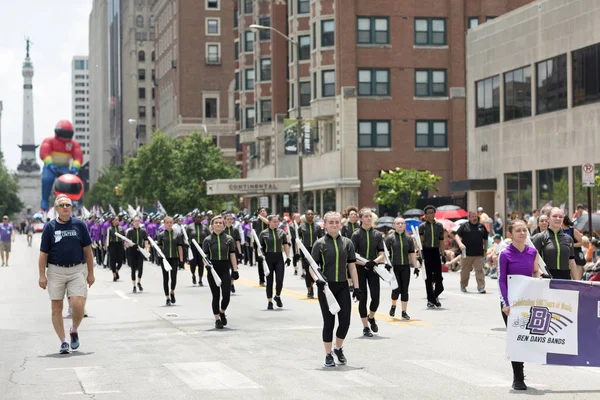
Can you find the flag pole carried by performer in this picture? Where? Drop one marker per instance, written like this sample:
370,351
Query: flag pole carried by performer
420,246
207,262
380,270
166,264
260,253
130,242
187,242
386,253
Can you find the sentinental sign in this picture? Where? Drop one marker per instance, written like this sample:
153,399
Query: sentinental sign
587,175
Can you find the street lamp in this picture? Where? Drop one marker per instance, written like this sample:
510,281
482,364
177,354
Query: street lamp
258,28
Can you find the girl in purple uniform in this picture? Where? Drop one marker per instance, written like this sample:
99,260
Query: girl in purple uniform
516,259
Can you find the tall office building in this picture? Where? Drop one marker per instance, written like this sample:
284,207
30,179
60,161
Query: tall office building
80,105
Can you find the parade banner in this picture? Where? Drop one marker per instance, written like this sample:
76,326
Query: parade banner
553,321
290,136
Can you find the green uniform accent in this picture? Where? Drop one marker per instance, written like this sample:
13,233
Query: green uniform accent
557,250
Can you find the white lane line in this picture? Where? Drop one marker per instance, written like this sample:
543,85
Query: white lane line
121,294
472,296
364,379
211,376
65,368
98,392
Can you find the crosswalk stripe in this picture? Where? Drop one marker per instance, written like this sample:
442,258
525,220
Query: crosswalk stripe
211,376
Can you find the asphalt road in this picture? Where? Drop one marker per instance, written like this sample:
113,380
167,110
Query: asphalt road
134,347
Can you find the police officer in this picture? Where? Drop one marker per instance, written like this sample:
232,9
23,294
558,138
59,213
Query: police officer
199,232
116,251
272,241
309,233
432,239
172,247
237,239
139,236
335,255
66,266
220,249
260,225
556,247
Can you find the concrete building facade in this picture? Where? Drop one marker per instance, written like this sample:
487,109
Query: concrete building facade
194,69
533,113
80,104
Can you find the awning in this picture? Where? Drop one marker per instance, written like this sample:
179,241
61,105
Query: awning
472,185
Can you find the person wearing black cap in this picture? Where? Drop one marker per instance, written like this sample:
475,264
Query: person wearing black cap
116,251
260,225
198,231
432,239
272,240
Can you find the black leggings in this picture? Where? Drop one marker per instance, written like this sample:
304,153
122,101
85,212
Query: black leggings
261,272
372,279
247,250
516,365
276,267
197,263
222,269
402,273
341,291
136,262
307,276
433,267
174,264
115,256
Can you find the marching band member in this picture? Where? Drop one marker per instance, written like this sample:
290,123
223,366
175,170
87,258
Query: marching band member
272,240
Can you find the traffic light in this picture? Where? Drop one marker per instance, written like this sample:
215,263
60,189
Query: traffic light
117,191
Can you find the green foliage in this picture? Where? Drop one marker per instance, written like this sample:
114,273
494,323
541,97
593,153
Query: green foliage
103,191
10,203
399,184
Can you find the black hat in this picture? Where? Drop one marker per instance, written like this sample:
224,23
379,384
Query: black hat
429,207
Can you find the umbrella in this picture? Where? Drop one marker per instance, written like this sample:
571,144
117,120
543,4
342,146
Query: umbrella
448,207
458,223
410,222
384,221
414,212
446,223
451,214
582,222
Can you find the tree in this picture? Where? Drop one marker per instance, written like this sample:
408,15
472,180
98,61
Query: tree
403,183
103,191
10,203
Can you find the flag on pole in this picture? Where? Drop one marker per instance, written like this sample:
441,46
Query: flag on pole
160,208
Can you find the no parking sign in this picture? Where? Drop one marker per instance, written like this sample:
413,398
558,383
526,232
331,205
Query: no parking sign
587,175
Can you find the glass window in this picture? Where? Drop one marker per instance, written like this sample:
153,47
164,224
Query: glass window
373,133
249,79
139,22
430,31
328,85
487,101
552,84
151,21
210,107
212,57
517,94
314,35
236,19
142,112
473,22
431,134
141,74
304,43
141,93
237,81
249,118
248,6
553,187
249,42
586,75
236,50
141,56
327,33
212,4
304,94
264,34
303,6
373,30
265,111
580,192
265,69
314,80
373,82
212,27
518,193
430,83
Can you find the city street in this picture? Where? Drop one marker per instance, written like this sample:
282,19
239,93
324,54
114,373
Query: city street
134,347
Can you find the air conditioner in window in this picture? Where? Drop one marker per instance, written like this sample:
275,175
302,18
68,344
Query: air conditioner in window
173,63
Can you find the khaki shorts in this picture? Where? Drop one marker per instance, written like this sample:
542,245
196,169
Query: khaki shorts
72,280
5,246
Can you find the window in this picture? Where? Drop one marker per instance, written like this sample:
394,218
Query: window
552,84
430,31
212,4
141,74
248,6
314,81
79,64
304,43
517,94
265,111
236,17
237,81
303,6
518,192
153,75
212,26
151,21
212,54
292,98
249,42
373,30
264,34
236,50
473,22
373,133
153,93
140,36
327,33
265,69
489,18
328,84
586,75
329,136
141,132
152,56
249,118
210,107
153,111
373,82
139,22
142,112
249,79
141,56
432,134
314,35
304,94
488,101
80,92
430,83
141,93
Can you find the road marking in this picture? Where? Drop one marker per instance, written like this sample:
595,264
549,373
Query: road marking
211,376
121,294
472,296
341,378
98,392
65,368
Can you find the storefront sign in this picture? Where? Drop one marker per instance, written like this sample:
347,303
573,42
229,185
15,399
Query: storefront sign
251,187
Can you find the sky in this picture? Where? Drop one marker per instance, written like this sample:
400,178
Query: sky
58,30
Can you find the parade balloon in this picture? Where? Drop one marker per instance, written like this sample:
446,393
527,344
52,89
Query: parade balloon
69,185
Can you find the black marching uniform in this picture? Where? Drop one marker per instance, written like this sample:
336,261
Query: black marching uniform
138,236
349,228
432,233
219,249
368,244
309,233
258,227
199,232
169,243
400,246
116,251
557,249
334,255
272,241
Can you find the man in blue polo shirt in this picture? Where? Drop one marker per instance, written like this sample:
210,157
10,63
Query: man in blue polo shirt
64,252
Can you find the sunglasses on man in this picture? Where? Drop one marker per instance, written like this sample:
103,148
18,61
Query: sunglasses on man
64,205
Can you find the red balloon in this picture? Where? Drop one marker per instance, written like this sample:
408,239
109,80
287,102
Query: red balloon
69,185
